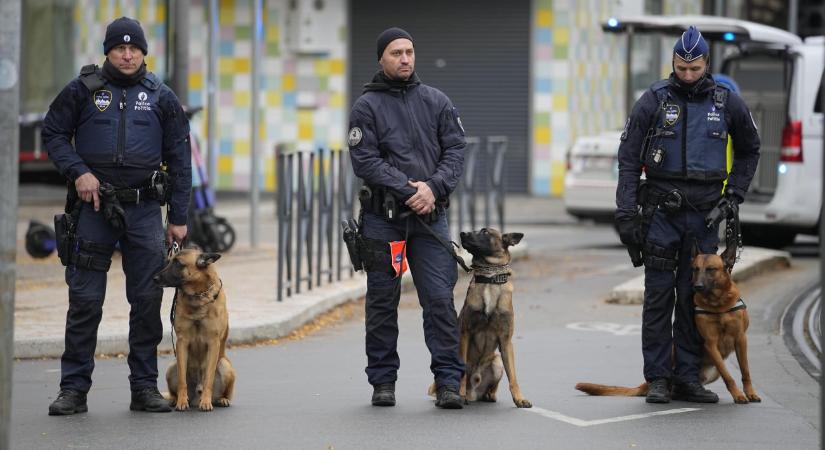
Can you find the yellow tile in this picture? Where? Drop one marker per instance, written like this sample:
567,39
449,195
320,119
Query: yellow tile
242,99
288,82
273,98
272,33
559,103
542,135
160,12
226,65
150,61
305,131
269,180
337,100
305,118
557,169
336,66
322,67
226,12
195,81
241,147
545,18
561,36
243,65
225,163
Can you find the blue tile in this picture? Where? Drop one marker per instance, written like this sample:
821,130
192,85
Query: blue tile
544,36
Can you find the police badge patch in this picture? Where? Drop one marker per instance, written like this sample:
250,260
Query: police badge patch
355,136
102,99
671,114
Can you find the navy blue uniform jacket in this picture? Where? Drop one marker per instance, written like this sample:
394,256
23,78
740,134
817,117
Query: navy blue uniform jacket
82,127
742,130
402,131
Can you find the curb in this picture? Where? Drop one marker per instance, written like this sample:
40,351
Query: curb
754,261
303,308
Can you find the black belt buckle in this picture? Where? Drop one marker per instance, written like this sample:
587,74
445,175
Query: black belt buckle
672,201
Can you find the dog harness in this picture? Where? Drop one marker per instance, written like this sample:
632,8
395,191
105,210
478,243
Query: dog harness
736,307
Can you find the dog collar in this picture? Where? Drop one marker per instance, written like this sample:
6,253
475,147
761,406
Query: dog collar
206,292
736,307
495,279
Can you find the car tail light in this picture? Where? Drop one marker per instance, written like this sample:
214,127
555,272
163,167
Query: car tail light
791,142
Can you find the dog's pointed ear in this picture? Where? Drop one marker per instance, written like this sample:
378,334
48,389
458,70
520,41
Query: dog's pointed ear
729,257
511,238
205,259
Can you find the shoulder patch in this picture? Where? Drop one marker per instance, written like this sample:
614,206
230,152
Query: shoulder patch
626,129
355,136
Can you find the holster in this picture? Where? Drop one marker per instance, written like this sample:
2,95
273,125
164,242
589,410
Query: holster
367,254
63,229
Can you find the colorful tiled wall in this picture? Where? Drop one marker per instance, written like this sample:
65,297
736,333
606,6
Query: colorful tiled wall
302,96
578,79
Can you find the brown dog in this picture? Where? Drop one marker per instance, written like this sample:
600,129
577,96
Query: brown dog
202,374
486,320
722,321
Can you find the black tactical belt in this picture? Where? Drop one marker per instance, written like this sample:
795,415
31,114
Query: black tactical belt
497,279
675,200
136,195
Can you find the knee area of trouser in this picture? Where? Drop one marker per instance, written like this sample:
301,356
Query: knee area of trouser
660,258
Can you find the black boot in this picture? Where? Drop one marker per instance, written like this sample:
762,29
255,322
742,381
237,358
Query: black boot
383,394
693,392
447,397
68,402
149,399
658,391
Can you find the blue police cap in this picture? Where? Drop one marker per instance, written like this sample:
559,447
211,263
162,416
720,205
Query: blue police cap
691,45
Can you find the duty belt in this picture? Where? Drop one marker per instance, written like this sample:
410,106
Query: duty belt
135,195
676,200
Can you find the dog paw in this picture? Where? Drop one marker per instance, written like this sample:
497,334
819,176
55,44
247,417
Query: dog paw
223,402
182,404
490,398
753,398
523,403
740,399
205,405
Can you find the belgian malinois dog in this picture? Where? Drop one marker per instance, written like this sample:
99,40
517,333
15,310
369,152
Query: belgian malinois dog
722,320
486,319
202,374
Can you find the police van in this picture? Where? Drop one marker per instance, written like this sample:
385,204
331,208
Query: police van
780,78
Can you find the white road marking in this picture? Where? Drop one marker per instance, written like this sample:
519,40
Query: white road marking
587,423
607,327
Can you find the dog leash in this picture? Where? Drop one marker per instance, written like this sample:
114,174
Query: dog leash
450,249
173,250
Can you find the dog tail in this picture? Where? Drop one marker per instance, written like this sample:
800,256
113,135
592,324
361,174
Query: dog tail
602,389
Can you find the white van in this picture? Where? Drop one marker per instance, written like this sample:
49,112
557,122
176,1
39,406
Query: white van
780,79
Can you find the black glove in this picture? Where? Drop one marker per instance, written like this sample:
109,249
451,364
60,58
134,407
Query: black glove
112,210
630,231
728,206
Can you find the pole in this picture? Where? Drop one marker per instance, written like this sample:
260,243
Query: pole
10,12
180,38
793,20
257,36
628,85
211,101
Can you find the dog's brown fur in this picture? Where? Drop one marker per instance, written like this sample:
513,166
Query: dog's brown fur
723,331
202,374
486,322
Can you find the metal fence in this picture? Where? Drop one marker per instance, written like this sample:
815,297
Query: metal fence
317,190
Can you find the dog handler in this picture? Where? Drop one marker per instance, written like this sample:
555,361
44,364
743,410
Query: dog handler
677,134
407,143
108,132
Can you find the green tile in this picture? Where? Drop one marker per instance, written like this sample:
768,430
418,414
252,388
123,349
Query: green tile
560,51
226,82
243,32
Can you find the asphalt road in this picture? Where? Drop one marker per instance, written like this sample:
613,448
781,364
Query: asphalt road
312,393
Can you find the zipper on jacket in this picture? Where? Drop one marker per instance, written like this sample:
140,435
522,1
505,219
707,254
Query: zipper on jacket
684,140
121,132
413,131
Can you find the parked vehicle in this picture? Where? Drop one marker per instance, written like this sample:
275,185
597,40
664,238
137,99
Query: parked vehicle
591,178
780,78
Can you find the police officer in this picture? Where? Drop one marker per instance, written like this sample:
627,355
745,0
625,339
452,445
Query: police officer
677,134
108,132
407,143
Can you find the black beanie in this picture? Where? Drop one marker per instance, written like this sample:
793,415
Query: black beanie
388,36
124,31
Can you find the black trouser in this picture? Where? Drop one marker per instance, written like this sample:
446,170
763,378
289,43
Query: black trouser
142,245
434,273
673,350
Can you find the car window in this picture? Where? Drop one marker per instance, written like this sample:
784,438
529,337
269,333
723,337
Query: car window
819,99
760,73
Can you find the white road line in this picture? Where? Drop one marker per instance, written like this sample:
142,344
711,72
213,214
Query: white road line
587,423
